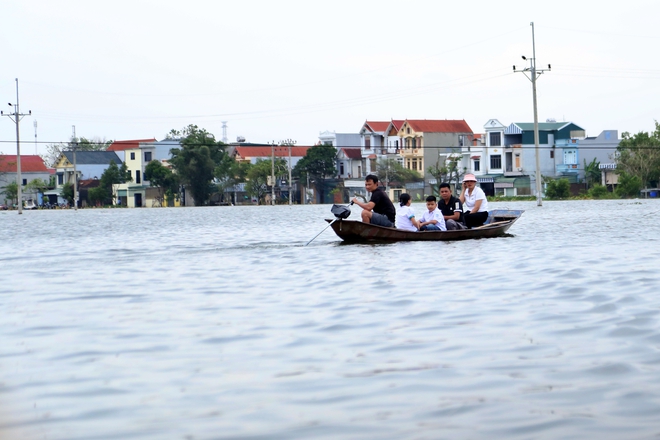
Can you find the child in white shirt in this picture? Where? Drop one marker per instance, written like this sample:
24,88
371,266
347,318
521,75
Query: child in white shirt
405,216
432,220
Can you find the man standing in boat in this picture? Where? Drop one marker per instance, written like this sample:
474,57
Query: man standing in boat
379,210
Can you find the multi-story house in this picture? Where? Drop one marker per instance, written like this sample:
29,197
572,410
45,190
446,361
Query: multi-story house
506,163
573,153
379,139
427,143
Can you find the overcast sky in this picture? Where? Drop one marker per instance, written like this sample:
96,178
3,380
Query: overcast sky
290,69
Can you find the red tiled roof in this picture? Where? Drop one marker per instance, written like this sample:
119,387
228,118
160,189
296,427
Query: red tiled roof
377,125
128,145
266,152
439,126
398,123
352,153
29,164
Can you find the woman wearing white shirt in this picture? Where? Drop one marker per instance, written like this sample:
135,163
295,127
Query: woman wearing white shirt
474,201
405,216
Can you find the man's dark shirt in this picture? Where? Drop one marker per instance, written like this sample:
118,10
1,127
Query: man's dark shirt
383,204
449,207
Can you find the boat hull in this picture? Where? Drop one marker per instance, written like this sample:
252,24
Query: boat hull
354,231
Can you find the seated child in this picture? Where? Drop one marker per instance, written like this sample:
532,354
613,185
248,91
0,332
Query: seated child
432,220
405,216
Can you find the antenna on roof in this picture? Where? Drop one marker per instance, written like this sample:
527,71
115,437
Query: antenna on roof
35,137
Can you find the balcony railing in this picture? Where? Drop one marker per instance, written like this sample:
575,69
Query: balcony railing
567,168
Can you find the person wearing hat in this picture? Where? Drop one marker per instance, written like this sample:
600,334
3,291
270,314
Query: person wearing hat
474,200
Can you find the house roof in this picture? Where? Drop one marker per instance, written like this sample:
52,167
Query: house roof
128,145
29,164
266,152
439,125
93,157
376,126
519,127
352,153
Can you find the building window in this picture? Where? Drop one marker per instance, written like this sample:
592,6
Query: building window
408,130
147,156
24,180
60,179
495,139
137,176
132,156
552,154
477,165
341,168
496,161
414,164
367,143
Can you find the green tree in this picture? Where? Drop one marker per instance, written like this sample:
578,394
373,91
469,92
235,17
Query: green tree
628,186
113,175
67,193
196,161
639,156
11,192
558,189
37,186
162,178
229,173
592,173
259,173
318,164
447,170
391,170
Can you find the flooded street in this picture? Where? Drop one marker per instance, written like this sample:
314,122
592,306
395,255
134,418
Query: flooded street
218,323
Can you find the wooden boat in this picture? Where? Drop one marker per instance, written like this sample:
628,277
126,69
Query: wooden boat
353,231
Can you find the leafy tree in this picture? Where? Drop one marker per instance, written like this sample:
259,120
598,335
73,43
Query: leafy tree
628,186
113,175
318,164
162,178
592,172
558,189
391,170
229,173
11,192
37,186
67,193
196,160
53,151
258,174
446,170
639,156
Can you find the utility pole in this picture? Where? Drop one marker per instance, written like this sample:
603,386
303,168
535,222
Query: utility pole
272,173
532,73
35,138
16,116
290,143
75,171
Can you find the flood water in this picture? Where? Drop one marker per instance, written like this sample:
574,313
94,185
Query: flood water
218,323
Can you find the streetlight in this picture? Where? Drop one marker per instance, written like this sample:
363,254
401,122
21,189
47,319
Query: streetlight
534,73
16,116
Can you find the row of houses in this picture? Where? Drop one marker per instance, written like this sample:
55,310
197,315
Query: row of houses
502,157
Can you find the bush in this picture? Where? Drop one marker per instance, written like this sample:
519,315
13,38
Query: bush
629,186
598,192
558,189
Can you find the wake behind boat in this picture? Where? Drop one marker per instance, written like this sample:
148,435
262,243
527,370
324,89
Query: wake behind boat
353,231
